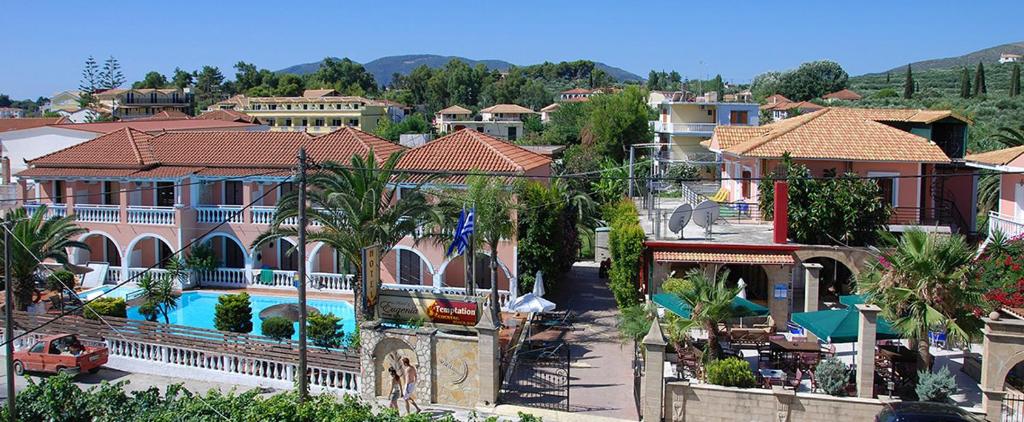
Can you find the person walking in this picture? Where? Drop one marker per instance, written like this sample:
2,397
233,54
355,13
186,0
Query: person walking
396,388
410,385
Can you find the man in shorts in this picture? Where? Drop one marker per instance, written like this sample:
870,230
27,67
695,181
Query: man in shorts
410,385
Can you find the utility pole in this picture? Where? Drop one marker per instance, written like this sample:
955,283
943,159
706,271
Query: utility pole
301,251
8,323
632,152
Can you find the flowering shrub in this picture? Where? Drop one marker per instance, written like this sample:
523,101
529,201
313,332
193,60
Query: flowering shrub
1002,267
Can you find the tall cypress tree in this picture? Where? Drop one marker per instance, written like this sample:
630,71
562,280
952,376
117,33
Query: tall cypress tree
965,83
979,81
908,86
1015,80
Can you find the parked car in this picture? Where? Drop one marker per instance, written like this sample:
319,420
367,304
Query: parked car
920,411
60,353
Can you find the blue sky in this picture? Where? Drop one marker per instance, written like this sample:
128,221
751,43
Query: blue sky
46,42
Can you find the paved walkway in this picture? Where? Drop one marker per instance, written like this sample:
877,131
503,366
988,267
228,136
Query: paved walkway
601,371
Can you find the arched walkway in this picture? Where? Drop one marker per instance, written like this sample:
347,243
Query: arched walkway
102,248
1003,351
452,272
406,265
388,353
276,254
228,250
148,249
754,276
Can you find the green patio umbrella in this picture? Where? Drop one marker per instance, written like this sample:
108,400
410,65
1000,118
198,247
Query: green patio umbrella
852,300
677,306
840,325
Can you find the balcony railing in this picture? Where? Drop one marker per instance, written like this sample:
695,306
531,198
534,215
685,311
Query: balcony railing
503,295
279,279
159,216
225,277
52,210
98,213
1009,226
134,273
704,128
113,275
218,214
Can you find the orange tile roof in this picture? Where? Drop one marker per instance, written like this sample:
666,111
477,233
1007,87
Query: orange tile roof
843,94
506,108
726,137
468,150
578,91
724,257
228,116
999,157
832,134
28,123
317,93
124,148
551,107
907,115
155,125
164,115
454,110
777,98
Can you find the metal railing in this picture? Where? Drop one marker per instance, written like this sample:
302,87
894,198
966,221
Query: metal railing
218,214
160,216
98,213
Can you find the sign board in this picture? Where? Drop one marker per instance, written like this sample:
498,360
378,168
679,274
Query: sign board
781,291
370,278
434,309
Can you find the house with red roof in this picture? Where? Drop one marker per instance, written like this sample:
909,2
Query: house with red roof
500,120
1008,216
143,195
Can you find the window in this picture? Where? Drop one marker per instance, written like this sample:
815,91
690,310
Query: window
152,97
305,106
353,122
745,177
305,122
271,122
321,106
512,133
287,122
335,122
888,188
110,195
233,192
288,107
163,253
482,268
318,122
165,194
233,257
58,192
113,255
738,117
409,266
273,106
355,106
480,129
38,347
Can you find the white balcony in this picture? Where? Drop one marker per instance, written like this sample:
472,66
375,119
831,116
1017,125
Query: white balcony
1003,223
52,210
218,214
685,128
155,216
503,295
98,213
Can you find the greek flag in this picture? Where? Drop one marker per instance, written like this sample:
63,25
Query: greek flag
463,230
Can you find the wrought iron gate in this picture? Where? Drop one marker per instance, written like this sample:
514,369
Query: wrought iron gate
539,378
1013,407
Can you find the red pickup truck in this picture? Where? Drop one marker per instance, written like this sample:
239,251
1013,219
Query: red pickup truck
60,353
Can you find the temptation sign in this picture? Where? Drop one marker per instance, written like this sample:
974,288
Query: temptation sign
402,306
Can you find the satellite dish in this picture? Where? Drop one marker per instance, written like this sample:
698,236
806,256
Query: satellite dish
680,218
705,213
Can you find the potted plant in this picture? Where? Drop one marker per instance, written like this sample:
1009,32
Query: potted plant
200,259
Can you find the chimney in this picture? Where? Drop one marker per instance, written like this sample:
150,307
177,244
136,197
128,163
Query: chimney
780,224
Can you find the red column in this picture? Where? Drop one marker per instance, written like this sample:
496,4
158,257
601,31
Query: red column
781,211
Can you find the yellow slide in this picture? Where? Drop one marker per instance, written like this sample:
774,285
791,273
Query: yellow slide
721,196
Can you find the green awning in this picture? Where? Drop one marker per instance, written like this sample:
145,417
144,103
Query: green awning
676,305
840,325
852,300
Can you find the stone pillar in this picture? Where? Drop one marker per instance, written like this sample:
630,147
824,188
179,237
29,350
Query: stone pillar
488,355
866,333
812,278
652,391
780,276
69,196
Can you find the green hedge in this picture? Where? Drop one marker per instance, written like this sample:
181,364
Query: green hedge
626,244
105,306
730,372
278,328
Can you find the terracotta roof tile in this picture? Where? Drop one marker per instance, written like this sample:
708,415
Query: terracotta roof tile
834,134
506,108
578,91
843,94
164,115
468,150
999,157
156,125
124,148
724,257
28,123
317,93
551,107
62,172
454,110
228,116
343,143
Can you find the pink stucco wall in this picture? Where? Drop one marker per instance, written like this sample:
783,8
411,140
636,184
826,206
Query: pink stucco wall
1007,194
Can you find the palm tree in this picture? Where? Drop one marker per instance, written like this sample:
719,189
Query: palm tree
355,206
925,283
711,302
34,238
988,186
158,295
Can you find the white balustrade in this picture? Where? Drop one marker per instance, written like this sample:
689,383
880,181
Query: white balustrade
223,277
262,215
331,282
134,273
334,380
218,214
503,295
113,275
98,213
52,210
163,216
1003,223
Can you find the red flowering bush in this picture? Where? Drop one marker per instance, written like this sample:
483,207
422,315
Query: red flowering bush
1001,266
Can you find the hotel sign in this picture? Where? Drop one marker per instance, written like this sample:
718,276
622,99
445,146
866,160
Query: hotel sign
435,309
371,278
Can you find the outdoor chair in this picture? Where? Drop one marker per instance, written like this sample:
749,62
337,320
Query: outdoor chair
561,319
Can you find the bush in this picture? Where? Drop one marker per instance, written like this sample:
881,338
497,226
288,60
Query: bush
105,306
730,372
324,330
278,328
832,376
60,280
548,238
935,386
233,313
676,285
682,173
626,244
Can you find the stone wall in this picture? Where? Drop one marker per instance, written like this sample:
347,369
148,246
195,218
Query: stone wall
704,402
455,370
382,348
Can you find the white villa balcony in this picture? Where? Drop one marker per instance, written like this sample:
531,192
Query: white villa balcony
98,213
279,279
157,216
703,129
52,210
1009,226
219,213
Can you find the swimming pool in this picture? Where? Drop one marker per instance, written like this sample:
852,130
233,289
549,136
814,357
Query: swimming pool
196,309
108,291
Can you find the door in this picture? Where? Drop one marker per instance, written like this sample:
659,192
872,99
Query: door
165,194
232,192
34,358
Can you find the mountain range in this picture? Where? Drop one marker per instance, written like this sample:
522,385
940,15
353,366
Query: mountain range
384,67
987,55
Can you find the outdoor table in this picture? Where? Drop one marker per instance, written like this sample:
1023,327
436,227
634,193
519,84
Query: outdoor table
896,353
788,352
772,376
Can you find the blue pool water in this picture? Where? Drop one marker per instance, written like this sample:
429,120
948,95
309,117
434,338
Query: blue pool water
196,309
107,291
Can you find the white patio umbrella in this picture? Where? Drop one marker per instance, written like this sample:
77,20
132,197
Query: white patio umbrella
531,303
538,286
